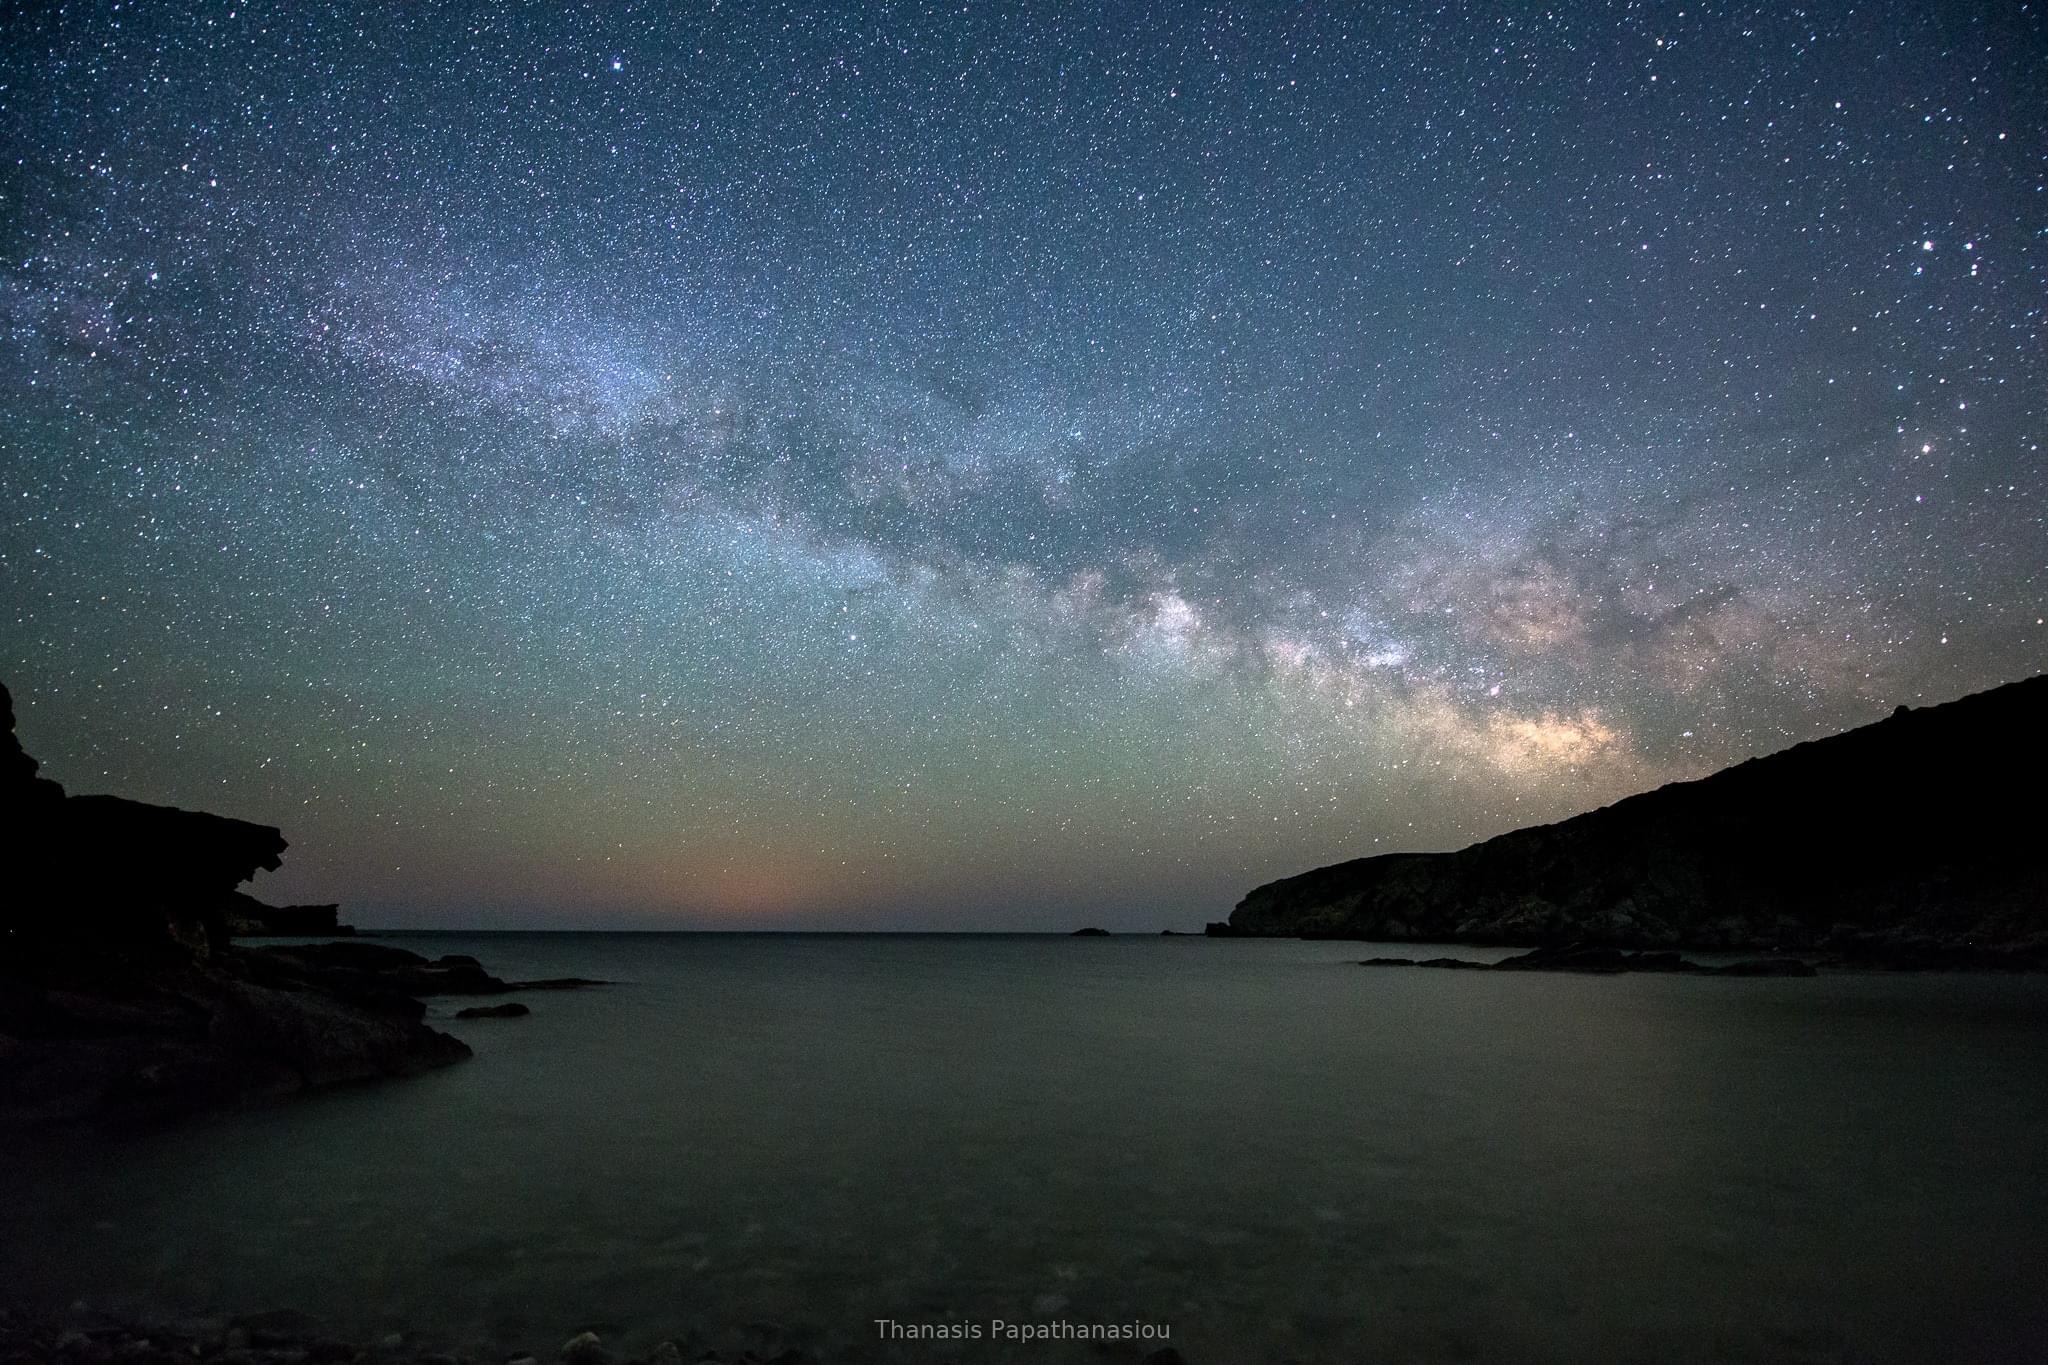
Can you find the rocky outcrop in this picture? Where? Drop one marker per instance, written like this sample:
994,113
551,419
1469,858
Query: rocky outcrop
380,968
248,917
103,873
1912,841
110,1042
121,995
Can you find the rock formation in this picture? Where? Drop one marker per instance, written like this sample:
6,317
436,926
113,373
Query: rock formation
120,993
105,874
248,917
1914,840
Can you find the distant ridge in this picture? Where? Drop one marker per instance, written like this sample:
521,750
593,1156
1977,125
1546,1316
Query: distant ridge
1924,832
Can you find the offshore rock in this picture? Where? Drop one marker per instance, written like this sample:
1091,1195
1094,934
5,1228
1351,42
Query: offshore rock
511,1009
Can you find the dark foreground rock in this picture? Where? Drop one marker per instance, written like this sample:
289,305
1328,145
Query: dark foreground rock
1913,842
126,1042
1602,960
251,918
364,966
122,994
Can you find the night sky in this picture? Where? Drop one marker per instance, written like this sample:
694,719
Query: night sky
995,467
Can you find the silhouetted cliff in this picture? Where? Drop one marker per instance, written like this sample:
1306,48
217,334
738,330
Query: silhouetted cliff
120,993
1919,835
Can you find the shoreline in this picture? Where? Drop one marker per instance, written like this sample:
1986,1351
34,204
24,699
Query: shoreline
286,1336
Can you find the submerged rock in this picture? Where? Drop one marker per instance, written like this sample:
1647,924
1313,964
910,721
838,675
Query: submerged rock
1594,957
1602,960
511,1009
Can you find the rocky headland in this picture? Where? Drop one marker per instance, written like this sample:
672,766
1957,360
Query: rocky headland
124,995
1911,842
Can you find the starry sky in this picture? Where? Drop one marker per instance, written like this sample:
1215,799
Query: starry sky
972,466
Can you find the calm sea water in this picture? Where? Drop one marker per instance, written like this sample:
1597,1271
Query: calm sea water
1281,1156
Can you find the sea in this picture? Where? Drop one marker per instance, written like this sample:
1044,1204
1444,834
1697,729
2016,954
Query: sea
926,1148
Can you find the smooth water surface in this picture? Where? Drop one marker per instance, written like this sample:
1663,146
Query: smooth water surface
1283,1156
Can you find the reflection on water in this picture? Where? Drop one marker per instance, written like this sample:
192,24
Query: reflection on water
1283,1156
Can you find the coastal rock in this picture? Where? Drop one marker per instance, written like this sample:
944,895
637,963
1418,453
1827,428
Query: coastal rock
350,957
1090,932
248,917
121,995
377,967
585,1348
191,1037
1907,841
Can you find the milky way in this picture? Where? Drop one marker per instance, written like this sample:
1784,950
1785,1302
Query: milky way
979,467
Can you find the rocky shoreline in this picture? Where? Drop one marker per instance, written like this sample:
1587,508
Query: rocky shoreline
1908,844
127,995
289,1337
